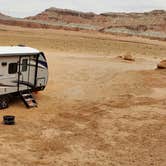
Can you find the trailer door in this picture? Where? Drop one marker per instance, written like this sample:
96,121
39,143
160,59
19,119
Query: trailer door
32,70
24,73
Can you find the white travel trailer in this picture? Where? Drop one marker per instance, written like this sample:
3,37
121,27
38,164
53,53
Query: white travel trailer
22,70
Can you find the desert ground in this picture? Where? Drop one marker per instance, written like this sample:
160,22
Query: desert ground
97,108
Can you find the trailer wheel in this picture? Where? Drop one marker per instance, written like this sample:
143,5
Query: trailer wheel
4,102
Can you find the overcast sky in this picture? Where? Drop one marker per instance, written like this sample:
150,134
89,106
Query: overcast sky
22,8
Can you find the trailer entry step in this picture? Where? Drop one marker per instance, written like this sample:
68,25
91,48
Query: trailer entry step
28,99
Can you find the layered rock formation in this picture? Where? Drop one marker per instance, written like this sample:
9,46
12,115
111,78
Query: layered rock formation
149,24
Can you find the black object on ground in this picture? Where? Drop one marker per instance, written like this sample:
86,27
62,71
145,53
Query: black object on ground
9,120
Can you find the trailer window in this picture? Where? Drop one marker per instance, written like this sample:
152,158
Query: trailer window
4,63
12,68
24,64
42,60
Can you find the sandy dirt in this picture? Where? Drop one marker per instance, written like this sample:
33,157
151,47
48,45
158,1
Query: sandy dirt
97,109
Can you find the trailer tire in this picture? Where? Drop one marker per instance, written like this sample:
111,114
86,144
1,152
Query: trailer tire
4,102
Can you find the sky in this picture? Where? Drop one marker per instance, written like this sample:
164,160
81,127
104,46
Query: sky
23,8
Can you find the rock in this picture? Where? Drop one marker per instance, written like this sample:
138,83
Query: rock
128,57
162,65
120,57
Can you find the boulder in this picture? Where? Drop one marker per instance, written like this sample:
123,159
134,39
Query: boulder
128,57
162,65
